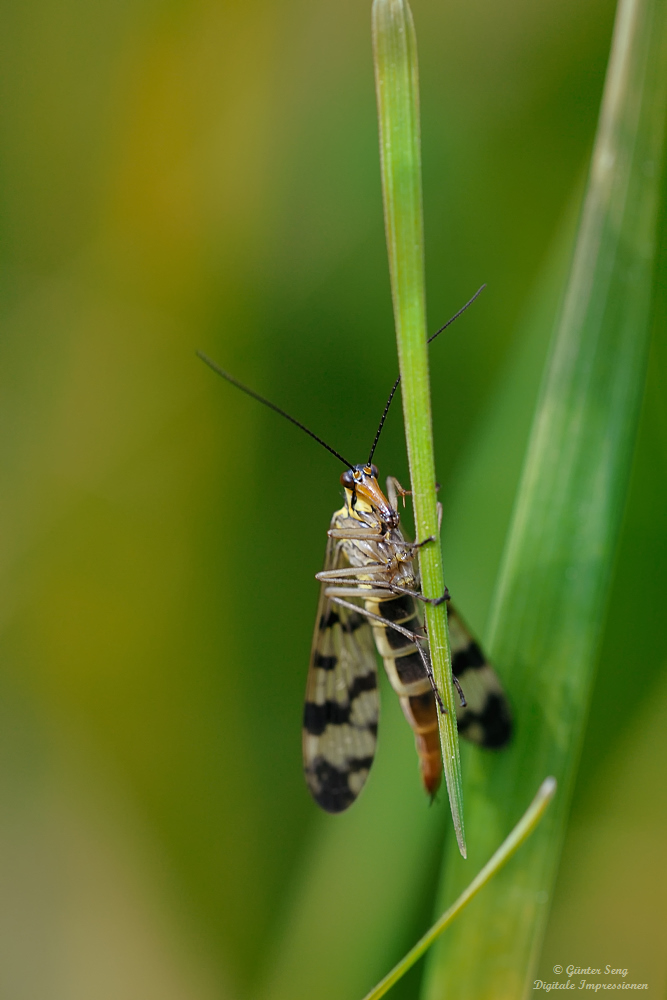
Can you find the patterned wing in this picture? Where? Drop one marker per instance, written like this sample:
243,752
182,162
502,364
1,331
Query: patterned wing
486,719
341,711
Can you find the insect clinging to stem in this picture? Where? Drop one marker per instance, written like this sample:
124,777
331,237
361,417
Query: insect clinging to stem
370,600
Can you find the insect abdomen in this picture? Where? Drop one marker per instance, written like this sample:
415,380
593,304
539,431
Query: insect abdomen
422,714
408,677
485,718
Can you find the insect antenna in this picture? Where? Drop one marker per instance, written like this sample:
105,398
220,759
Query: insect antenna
397,382
382,419
271,406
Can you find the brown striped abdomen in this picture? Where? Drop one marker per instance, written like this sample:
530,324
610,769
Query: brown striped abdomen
407,675
422,714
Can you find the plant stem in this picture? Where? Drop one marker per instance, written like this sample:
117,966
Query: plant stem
397,87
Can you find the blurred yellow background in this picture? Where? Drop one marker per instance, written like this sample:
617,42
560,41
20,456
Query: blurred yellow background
205,175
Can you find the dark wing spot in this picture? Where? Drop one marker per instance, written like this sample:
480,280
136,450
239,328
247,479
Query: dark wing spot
324,662
330,787
329,619
316,718
364,682
468,658
494,720
354,622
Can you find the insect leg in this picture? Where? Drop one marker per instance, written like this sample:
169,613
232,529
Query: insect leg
395,589
368,591
368,536
350,575
418,545
399,628
338,574
411,545
413,636
395,490
429,673
462,697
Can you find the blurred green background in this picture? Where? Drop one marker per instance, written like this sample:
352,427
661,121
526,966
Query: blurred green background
205,175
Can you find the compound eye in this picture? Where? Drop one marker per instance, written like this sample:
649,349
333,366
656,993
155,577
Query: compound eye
374,471
347,479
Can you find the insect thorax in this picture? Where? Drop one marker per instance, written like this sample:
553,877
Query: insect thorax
392,552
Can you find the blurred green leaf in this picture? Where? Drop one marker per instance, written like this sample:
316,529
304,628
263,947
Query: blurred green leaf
510,846
554,583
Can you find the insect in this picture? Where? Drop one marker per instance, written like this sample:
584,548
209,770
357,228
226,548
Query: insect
370,599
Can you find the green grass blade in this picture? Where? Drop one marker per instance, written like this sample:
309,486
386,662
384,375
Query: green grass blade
397,88
510,846
551,600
